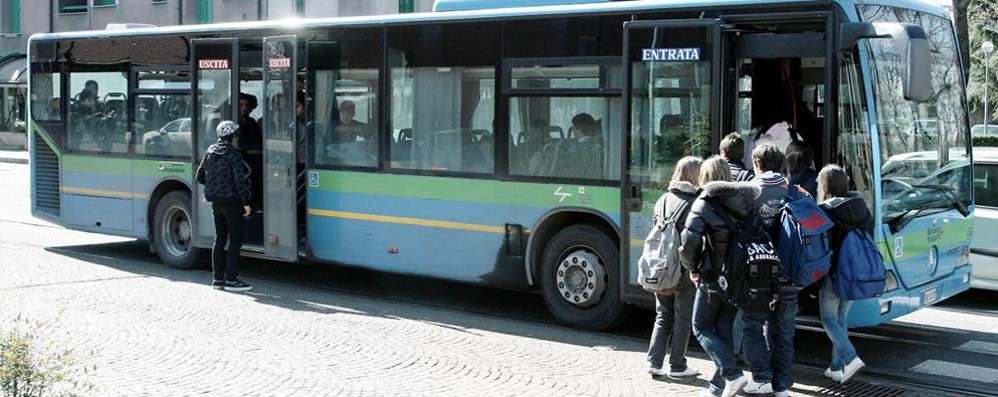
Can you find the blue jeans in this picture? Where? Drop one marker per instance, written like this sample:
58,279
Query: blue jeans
713,320
673,323
834,313
769,342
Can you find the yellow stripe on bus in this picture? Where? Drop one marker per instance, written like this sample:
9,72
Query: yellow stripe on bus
103,193
408,221
636,242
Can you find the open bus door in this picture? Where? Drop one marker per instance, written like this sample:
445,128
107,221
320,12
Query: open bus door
215,93
280,192
673,99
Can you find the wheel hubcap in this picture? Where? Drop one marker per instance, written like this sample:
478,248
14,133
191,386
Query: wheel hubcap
177,231
581,278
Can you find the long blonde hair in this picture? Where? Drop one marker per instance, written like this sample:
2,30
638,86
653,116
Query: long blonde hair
715,168
688,170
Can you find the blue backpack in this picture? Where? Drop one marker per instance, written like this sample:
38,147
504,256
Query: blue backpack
803,245
861,273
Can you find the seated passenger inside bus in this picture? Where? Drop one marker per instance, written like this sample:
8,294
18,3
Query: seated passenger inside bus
353,142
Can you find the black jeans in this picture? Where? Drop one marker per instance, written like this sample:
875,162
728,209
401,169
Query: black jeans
229,223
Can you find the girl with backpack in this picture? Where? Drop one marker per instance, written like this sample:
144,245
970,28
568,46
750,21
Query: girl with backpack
675,312
703,250
848,213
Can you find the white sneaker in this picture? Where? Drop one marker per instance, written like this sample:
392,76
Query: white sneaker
833,375
732,387
785,393
690,371
754,387
657,371
851,369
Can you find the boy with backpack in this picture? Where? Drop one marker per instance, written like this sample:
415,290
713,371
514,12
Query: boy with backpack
857,268
771,362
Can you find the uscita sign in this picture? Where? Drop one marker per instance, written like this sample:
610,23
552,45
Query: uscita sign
670,54
279,63
213,63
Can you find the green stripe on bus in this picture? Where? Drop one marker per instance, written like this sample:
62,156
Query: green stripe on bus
601,198
950,234
124,166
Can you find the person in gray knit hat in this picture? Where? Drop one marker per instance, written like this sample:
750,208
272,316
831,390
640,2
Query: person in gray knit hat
225,177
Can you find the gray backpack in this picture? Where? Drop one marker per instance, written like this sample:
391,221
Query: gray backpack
659,270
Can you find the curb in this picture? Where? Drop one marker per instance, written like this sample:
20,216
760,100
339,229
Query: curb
13,160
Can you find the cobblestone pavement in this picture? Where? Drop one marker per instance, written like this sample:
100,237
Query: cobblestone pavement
156,331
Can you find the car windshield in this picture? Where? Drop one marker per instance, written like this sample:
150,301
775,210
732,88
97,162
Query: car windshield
924,146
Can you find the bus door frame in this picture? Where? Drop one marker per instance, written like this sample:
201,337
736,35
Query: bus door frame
280,189
204,231
632,193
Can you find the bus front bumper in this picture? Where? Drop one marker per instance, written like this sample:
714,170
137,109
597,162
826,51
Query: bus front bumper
875,311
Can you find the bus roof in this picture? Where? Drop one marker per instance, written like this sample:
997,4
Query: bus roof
497,9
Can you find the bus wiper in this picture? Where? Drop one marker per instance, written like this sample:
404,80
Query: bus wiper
947,191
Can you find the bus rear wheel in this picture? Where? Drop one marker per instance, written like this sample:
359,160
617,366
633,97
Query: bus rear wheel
580,278
173,232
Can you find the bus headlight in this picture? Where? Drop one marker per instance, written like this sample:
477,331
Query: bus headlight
964,258
891,283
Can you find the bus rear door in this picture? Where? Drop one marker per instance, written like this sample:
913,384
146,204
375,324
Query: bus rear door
280,171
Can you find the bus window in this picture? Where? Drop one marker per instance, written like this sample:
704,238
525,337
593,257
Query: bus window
45,89
98,112
443,97
162,125
343,92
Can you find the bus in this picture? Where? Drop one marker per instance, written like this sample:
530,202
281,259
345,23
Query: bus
505,143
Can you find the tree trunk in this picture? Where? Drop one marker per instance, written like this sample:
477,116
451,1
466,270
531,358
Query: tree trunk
960,17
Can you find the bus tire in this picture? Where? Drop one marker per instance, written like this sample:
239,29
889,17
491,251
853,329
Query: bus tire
576,290
173,232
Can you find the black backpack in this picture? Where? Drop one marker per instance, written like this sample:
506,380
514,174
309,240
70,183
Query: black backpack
748,277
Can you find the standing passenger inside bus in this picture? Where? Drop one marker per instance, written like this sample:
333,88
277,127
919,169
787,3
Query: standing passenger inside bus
226,186
732,148
251,145
848,213
675,312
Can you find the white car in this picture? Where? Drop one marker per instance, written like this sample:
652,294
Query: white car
173,139
984,250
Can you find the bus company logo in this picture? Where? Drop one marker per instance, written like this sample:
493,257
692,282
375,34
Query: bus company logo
279,63
670,54
213,64
933,263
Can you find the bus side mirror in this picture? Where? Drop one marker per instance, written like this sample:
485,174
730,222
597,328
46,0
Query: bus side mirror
911,43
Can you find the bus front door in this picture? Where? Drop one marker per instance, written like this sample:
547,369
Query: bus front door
673,98
281,166
215,85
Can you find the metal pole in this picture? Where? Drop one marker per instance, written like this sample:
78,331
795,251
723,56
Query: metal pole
986,89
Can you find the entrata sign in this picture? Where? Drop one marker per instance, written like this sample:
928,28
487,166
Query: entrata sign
213,64
279,63
670,54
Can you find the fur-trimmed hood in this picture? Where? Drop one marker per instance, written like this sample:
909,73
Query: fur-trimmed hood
737,197
678,187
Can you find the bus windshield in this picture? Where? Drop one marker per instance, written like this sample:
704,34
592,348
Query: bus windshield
924,146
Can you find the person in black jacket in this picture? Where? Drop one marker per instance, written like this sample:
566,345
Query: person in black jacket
226,186
704,246
675,312
800,167
848,213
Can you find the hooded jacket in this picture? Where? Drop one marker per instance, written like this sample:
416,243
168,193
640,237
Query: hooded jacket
679,192
704,223
847,213
225,175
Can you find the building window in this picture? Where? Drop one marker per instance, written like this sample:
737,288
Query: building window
205,11
11,14
105,3
72,6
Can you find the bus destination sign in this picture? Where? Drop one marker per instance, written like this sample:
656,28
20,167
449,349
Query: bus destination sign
670,54
213,64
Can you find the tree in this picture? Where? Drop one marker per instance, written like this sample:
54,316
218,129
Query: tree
979,20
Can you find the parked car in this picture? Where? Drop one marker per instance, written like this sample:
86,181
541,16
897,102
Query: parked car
978,130
173,139
984,250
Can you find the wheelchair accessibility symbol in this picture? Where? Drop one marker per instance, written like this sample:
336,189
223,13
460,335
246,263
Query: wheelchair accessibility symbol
313,179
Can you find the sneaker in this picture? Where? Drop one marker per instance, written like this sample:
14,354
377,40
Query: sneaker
656,371
689,371
217,284
237,286
732,387
785,393
851,369
753,387
833,375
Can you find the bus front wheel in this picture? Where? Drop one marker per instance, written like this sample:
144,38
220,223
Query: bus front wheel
580,278
173,232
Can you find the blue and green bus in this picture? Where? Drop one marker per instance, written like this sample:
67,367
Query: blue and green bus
506,143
